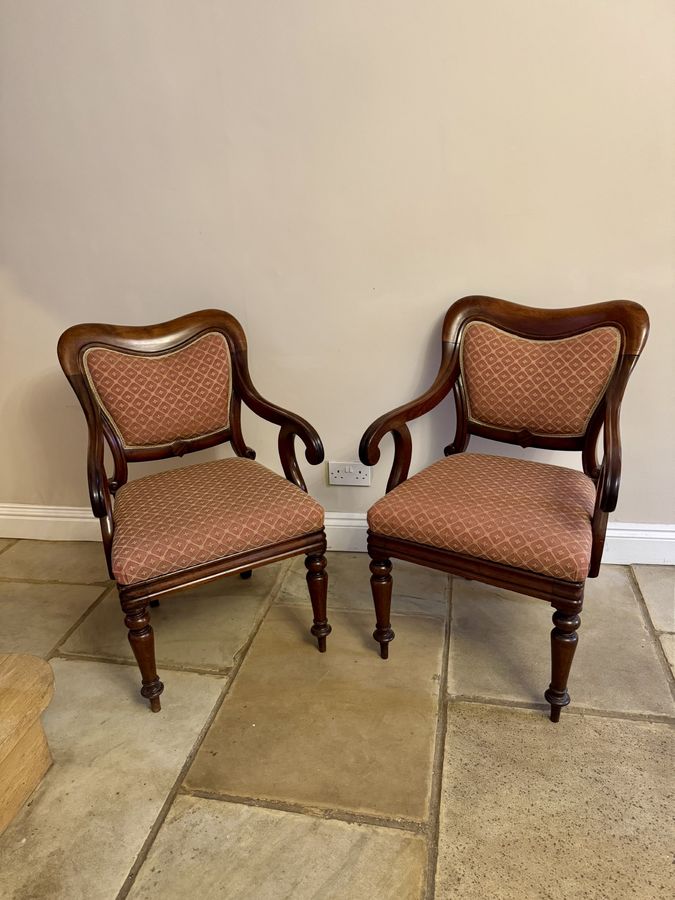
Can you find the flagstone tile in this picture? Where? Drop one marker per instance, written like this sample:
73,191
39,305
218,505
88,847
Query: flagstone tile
114,765
74,562
209,848
657,586
531,810
342,729
500,648
34,617
416,589
204,627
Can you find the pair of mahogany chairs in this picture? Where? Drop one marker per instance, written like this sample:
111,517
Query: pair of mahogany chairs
552,379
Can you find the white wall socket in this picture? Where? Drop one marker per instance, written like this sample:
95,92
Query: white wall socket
348,473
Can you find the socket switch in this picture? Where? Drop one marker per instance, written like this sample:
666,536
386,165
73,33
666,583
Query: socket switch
354,473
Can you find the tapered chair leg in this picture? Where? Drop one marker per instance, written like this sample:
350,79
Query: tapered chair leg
142,642
317,582
564,641
381,585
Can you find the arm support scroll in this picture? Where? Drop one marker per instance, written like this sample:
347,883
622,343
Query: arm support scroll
99,489
607,485
97,478
610,470
289,424
395,421
99,485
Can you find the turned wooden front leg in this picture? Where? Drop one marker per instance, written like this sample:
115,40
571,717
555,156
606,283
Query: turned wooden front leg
317,582
381,585
142,642
564,641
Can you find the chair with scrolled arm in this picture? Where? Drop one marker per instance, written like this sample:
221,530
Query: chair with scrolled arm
159,391
547,378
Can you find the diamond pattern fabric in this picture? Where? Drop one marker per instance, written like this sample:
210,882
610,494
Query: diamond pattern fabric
528,515
547,387
155,400
178,519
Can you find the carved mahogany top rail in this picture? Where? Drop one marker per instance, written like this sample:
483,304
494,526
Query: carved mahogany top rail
629,318
153,341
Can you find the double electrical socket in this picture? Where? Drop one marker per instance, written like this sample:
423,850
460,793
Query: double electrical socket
354,473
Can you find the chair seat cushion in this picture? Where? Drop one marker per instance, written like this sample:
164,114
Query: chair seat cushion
185,517
528,515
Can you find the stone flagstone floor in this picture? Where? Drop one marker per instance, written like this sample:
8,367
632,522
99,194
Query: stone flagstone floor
274,771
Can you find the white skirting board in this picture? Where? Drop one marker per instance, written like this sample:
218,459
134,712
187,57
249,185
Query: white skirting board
626,543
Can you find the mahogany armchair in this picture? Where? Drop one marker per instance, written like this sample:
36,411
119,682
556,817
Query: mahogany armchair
161,391
547,378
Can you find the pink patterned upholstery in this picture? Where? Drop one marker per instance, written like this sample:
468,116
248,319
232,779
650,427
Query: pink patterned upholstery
155,400
524,514
185,517
548,387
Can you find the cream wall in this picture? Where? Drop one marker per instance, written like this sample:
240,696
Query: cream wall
334,174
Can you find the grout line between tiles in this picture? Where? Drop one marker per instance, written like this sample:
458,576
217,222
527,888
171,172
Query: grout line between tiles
439,754
173,792
645,718
11,544
496,701
69,655
654,718
316,812
653,631
55,649
104,582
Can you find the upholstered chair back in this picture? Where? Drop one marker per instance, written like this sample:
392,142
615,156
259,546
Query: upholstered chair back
548,387
156,399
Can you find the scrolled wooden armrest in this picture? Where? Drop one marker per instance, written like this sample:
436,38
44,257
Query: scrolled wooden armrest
394,422
610,469
99,487
290,425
